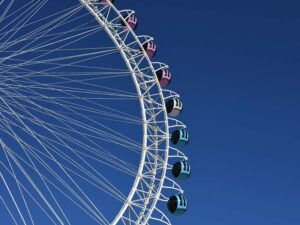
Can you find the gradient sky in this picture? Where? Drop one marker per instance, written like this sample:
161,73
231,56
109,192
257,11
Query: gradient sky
237,66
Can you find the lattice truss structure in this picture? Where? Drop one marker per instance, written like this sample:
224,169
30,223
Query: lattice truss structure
51,98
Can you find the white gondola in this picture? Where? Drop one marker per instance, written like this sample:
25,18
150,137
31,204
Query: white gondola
174,107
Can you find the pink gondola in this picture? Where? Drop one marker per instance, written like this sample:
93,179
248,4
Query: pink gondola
164,76
131,20
105,2
150,49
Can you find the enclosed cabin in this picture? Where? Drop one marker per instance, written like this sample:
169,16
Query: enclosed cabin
177,204
105,2
164,76
131,20
181,170
150,48
174,107
180,137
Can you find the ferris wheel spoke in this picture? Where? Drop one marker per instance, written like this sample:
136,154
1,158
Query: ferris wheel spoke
21,158
83,198
24,19
19,14
70,193
33,184
42,31
57,39
91,130
70,127
98,95
86,108
13,14
57,22
33,149
13,200
37,21
71,106
65,80
42,207
52,61
58,129
17,138
62,83
6,10
64,116
108,188
30,73
104,157
18,185
70,40
111,160
51,36
8,210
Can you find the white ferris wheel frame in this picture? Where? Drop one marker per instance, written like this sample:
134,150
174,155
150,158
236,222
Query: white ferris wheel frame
151,179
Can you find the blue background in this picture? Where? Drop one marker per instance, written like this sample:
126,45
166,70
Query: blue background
237,66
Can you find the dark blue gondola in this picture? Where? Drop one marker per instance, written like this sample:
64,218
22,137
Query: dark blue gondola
181,170
177,204
180,137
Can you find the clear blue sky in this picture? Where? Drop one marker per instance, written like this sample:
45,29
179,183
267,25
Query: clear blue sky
237,66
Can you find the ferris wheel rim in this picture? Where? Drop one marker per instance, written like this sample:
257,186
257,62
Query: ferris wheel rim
113,37
154,177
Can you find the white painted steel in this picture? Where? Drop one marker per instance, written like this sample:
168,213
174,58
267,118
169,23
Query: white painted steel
143,212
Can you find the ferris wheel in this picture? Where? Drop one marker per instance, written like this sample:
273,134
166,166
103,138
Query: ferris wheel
89,131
